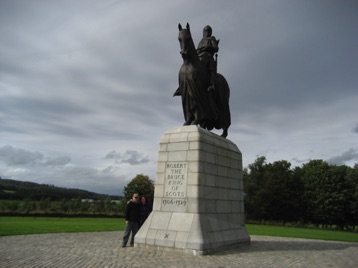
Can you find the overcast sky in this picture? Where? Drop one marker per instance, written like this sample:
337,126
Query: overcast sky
86,86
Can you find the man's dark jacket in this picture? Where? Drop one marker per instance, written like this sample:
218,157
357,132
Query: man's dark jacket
132,212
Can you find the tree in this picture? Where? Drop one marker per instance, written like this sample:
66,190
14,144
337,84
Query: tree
140,184
272,191
315,174
253,180
341,196
352,178
283,192
328,193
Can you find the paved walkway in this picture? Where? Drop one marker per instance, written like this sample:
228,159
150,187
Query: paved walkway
103,249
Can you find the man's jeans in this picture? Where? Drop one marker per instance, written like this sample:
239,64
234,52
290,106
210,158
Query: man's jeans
130,227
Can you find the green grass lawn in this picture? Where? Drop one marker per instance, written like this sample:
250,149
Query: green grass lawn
42,225
284,231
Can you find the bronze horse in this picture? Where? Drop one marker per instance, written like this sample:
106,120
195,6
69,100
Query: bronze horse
201,106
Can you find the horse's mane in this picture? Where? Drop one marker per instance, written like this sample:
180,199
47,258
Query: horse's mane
193,52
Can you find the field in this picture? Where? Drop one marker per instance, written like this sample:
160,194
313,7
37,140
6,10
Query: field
284,231
41,225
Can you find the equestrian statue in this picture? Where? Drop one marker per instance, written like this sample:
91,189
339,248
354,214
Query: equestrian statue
205,93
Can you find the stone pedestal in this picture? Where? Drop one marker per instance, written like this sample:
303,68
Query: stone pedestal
198,200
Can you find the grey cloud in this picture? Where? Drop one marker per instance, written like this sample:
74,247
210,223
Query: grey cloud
16,157
93,180
300,161
300,62
355,129
109,169
134,158
58,161
129,156
349,155
52,115
11,156
113,155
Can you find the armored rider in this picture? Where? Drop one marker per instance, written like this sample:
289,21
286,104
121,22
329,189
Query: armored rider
206,50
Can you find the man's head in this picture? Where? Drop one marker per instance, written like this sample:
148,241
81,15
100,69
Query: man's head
135,198
207,31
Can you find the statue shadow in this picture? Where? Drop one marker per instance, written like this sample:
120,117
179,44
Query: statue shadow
276,244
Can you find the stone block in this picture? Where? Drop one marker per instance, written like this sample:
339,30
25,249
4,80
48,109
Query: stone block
181,240
163,156
177,156
181,222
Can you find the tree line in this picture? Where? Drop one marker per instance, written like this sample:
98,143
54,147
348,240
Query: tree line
29,198
21,190
70,207
315,193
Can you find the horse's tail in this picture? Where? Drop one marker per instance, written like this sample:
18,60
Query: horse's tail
222,97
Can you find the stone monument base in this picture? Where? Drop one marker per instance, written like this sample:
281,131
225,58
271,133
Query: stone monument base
198,200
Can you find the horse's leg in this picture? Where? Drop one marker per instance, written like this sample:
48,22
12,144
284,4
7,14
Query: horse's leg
188,122
195,120
225,133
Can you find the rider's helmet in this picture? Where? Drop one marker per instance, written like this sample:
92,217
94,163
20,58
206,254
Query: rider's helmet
207,31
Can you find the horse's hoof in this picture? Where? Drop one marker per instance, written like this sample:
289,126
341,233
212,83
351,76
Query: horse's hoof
195,122
224,135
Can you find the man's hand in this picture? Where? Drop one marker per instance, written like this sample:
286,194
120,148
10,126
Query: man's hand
211,88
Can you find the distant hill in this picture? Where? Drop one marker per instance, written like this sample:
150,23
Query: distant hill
20,190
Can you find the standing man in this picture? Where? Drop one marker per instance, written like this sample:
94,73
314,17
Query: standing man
132,215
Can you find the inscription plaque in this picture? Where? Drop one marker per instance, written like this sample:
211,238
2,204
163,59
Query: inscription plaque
176,176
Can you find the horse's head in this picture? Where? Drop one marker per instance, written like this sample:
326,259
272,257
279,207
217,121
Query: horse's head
185,41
